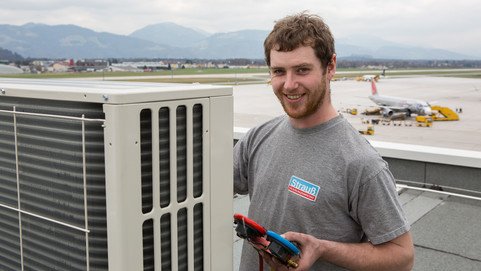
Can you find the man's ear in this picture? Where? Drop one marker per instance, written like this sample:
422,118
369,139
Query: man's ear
331,67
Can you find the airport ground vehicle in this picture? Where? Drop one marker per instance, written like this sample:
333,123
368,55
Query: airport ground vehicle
441,113
352,111
372,111
424,121
369,130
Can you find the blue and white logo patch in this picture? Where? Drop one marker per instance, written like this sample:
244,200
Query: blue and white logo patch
303,188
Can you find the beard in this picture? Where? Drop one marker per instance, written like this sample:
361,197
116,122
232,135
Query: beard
314,99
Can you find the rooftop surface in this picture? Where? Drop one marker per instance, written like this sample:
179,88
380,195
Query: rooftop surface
446,228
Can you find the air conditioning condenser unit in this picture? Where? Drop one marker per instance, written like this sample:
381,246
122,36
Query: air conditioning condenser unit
98,175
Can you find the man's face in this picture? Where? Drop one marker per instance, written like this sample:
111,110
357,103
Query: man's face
299,81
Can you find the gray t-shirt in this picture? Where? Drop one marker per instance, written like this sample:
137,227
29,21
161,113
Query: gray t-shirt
326,181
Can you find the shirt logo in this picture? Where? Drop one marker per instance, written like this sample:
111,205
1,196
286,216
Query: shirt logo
303,188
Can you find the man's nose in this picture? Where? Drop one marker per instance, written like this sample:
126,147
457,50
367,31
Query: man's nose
291,81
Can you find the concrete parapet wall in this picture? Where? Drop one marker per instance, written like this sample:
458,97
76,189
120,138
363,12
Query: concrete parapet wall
448,169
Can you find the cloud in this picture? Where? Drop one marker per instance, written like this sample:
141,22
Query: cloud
428,23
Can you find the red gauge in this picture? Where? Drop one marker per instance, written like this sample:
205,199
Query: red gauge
248,228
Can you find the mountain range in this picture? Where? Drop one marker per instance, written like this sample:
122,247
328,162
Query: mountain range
169,40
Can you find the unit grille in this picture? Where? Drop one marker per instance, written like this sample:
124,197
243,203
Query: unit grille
53,193
47,153
173,217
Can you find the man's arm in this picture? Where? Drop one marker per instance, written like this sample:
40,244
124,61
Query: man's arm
397,254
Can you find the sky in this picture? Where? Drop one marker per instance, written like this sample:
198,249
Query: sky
450,25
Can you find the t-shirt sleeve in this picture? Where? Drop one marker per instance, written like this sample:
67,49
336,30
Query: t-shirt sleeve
240,167
378,209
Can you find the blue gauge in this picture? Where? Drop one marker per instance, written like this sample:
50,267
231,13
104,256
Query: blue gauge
281,247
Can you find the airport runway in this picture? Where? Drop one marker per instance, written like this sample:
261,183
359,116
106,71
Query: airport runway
254,104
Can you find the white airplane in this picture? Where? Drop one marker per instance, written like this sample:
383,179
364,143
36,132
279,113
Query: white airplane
389,105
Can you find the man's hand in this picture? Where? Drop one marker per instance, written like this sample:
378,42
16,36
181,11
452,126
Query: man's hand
309,247
397,254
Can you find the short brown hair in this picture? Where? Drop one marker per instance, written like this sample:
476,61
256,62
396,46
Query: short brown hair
302,29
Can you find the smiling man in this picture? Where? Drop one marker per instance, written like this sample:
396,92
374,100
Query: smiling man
301,85
309,174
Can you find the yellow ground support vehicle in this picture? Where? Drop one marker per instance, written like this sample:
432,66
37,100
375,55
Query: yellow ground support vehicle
368,131
443,113
352,111
424,121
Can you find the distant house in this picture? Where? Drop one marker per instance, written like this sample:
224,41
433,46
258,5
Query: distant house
40,65
62,66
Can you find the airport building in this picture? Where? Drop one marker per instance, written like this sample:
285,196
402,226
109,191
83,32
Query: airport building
8,69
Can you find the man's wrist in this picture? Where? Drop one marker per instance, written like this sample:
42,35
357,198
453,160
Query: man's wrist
322,249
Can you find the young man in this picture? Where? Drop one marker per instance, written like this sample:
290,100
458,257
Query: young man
310,175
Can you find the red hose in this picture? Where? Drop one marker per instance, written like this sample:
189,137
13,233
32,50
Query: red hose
261,263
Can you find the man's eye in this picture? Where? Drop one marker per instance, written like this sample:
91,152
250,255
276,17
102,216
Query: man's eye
302,70
277,72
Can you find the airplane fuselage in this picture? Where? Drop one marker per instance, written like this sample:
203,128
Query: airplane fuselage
390,104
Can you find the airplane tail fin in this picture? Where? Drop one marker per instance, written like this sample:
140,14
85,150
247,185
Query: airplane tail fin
373,87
